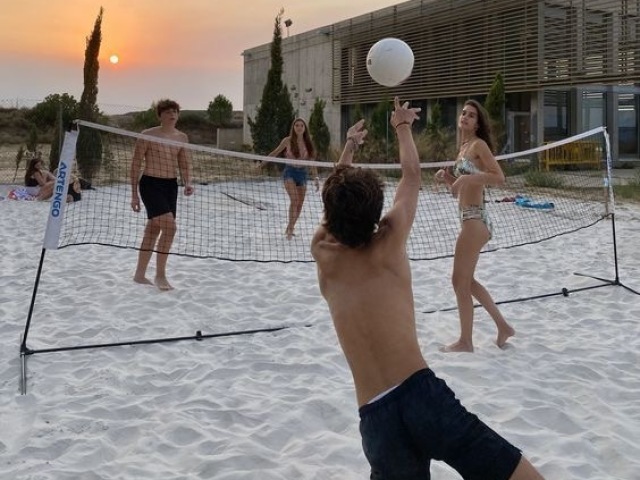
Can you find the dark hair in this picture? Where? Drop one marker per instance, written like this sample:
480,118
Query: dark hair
31,169
306,138
167,104
353,200
484,124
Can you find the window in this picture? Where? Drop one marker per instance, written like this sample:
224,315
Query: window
556,115
628,124
592,110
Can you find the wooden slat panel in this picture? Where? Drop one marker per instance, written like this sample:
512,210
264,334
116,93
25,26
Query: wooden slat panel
460,45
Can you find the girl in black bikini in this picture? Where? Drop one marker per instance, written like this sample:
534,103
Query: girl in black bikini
37,176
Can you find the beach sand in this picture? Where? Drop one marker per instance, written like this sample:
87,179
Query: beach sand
281,405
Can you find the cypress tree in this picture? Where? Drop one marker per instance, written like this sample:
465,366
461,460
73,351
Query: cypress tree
435,119
494,104
275,113
355,114
56,146
439,142
89,146
379,122
319,129
381,137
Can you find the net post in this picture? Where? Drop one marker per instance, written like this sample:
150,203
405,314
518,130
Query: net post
24,350
59,199
611,198
51,237
610,203
608,183
23,373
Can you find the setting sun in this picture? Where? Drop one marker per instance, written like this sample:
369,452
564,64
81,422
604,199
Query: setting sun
114,59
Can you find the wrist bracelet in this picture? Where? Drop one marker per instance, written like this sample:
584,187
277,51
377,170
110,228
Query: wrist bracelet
401,123
354,144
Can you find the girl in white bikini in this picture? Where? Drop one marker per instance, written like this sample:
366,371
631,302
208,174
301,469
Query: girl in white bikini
475,168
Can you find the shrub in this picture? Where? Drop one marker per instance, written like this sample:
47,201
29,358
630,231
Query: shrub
631,190
537,178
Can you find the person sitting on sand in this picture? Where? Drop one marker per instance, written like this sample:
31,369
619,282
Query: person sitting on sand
38,179
74,192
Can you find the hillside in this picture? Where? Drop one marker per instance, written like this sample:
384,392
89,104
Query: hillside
14,126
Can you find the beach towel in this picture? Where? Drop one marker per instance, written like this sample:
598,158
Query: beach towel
526,202
21,193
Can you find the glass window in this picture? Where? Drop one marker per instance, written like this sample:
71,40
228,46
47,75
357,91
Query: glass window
628,124
592,110
449,112
556,115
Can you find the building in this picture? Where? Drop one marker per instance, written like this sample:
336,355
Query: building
568,66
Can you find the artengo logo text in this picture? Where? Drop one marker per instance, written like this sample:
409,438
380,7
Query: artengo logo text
59,193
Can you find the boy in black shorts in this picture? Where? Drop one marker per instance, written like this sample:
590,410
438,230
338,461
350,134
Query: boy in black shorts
158,185
408,416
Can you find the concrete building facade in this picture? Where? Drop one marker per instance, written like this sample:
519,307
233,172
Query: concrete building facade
568,66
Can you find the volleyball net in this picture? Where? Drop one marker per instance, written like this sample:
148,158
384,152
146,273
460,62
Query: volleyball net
240,208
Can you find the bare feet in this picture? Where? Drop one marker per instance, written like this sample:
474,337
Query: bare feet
142,280
458,346
504,335
163,284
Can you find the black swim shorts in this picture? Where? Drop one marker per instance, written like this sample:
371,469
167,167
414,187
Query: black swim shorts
421,420
159,195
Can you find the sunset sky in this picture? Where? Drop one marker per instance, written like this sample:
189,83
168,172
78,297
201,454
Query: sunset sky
188,50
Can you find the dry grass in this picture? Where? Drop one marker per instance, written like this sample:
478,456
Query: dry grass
8,173
206,168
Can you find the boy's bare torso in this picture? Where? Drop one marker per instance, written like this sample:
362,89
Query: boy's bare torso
369,293
161,160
